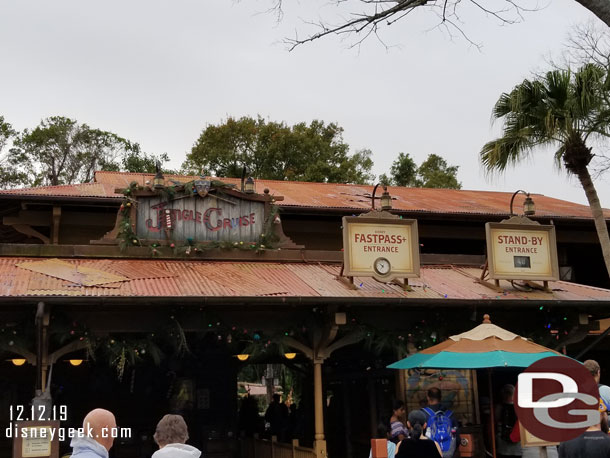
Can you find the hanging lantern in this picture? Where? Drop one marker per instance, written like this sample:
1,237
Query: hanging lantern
243,357
75,362
159,179
249,186
529,208
290,355
18,361
386,200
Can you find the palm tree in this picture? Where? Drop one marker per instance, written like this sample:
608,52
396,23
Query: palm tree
562,109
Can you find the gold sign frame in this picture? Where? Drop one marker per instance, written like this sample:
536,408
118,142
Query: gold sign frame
529,440
47,447
552,272
380,219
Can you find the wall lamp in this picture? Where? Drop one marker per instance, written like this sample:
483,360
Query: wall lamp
529,208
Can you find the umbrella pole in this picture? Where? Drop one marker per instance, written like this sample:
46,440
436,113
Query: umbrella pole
492,415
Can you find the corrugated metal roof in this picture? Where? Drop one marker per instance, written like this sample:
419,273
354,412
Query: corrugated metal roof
358,197
247,279
69,190
338,196
78,275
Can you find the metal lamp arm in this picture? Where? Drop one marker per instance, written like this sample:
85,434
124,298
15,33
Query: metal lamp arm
512,199
373,196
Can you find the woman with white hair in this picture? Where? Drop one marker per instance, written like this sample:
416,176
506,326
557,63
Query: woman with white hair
171,435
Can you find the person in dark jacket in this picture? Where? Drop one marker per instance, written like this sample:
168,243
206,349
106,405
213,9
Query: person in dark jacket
277,416
593,443
417,445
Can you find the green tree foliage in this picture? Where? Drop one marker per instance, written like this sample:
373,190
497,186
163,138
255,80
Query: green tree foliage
276,151
434,172
8,174
62,151
6,133
565,110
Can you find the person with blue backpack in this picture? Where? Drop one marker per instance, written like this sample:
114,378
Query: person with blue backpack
442,425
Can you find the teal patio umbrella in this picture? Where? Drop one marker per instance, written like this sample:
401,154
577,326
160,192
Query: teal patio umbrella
484,347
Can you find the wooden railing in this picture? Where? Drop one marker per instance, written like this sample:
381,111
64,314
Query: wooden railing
253,447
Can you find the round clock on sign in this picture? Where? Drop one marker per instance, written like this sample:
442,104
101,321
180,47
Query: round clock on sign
382,266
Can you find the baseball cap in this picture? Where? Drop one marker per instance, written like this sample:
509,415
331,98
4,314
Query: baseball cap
604,393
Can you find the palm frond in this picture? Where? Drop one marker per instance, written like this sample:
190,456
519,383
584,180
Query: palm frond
549,110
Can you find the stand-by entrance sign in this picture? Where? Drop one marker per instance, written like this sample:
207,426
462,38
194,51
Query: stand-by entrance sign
521,251
380,245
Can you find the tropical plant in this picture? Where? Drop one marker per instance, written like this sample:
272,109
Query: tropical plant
565,110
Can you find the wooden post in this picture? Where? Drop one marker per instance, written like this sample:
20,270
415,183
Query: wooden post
55,225
492,415
319,442
295,444
401,386
347,418
372,406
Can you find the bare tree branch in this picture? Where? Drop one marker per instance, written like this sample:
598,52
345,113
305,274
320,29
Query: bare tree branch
380,13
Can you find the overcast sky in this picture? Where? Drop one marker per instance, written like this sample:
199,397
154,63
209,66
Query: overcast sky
156,72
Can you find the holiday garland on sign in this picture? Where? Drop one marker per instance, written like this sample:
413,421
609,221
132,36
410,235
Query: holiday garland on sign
128,238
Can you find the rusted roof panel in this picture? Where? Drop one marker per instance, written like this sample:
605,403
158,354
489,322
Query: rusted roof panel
69,190
358,197
335,196
77,274
247,279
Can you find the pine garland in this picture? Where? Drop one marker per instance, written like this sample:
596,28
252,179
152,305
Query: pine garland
128,238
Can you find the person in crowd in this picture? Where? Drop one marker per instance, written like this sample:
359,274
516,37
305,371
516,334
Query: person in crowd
100,424
442,424
398,431
277,417
291,431
171,436
604,390
417,445
382,433
593,443
505,420
249,421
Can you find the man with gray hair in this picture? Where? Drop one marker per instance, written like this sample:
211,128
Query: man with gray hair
97,440
604,390
171,435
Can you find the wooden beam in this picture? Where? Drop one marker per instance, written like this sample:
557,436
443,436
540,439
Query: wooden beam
31,232
55,226
73,346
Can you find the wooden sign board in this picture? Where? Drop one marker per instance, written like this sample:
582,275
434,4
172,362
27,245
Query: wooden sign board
521,251
200,219
36,439
529,440
382,248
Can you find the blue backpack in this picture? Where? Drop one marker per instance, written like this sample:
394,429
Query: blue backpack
440,429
